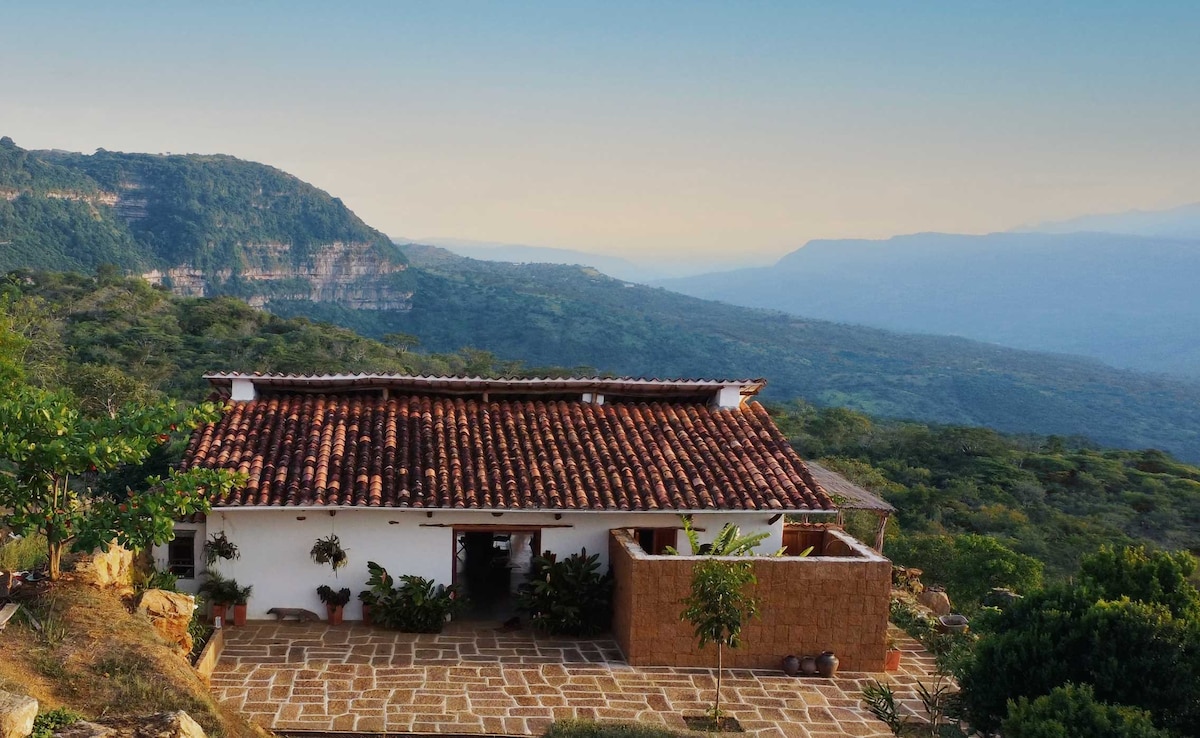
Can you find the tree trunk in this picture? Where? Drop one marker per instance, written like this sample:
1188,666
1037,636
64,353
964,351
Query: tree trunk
55,557
718,719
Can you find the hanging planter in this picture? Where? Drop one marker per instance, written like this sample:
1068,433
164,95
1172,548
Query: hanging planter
329,551
219,547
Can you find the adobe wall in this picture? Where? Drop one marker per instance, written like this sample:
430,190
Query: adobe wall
806,606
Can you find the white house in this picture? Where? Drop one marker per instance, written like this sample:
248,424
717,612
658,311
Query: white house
440,476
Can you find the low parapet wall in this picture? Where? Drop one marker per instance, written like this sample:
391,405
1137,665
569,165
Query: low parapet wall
806,606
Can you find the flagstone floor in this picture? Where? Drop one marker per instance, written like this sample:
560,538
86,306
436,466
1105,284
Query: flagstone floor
478,679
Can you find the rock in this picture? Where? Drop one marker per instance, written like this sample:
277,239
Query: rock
17,712
162,725
170,613
936,600
111,568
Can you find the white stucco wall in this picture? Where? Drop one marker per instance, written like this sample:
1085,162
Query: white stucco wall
274,544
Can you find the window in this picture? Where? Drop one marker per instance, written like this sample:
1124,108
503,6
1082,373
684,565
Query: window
655,541
181,554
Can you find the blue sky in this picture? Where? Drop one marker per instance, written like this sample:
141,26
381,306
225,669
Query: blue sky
711,131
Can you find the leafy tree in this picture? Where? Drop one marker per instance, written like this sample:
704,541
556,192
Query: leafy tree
51,454
717,607
1154,577
1072,711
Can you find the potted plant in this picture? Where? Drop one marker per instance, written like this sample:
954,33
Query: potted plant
368,599
329,550
892,658
219,547
335,602
221,592
240,596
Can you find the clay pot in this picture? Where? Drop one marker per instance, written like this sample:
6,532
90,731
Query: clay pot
791,665
827,664
953,623
891,662
808,665
334,612
366,614
239,615
218,611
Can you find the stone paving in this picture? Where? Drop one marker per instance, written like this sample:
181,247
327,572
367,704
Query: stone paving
292,677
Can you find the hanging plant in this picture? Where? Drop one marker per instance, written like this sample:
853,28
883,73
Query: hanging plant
329,551
219,547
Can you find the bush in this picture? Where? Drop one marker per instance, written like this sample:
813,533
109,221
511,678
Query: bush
1072,712
568,597
1157,578
50,722
968,565
417,605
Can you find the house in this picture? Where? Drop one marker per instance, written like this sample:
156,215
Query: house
463,479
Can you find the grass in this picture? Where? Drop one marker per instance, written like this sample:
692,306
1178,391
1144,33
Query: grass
100,660
22,554
593,729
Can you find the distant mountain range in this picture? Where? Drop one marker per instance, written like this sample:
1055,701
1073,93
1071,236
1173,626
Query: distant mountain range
1128,300
205,225
513,253
1181,222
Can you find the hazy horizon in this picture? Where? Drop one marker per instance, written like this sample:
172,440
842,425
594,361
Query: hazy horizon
716,132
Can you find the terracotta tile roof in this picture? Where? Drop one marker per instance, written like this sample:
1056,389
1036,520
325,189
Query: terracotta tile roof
422,451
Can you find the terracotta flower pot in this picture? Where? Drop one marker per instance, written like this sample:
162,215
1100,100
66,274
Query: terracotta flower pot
239,615
366,614
334,613
892,660
218,612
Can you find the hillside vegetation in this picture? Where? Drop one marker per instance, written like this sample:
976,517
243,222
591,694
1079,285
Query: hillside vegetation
140,211
566,316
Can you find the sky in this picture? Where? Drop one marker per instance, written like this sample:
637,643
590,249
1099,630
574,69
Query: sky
702,131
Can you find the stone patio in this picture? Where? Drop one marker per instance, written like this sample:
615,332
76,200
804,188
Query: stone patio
292,677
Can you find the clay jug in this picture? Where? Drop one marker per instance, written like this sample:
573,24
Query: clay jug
808,665
827,664
791,665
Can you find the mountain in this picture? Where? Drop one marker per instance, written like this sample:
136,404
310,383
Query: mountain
1180,222
517,254
1129,301
217,225
199,224
570,316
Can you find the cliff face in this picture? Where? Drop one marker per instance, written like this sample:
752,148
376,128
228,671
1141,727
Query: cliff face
350,274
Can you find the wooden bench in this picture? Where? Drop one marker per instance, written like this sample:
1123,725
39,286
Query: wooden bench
7,612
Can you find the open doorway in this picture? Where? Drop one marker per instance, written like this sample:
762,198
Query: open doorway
490,566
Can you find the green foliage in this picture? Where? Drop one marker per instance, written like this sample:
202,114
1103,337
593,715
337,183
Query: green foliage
47,723
1072,711
222,591
51,453
880,701
968,565
333,598
218,547
155,579
1153,577
329,550
567,597
416,605
1130,653
728,542
1053,499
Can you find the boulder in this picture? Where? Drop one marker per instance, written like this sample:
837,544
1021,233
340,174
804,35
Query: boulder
936,600
170,613
17,712
111,568
162,725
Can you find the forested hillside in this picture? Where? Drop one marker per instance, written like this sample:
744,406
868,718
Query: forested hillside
565,316
1052,498
61,210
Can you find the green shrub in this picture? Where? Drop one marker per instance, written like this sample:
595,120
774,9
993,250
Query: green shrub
22,554
568,597
416,605
50,722
155,579
1072,712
